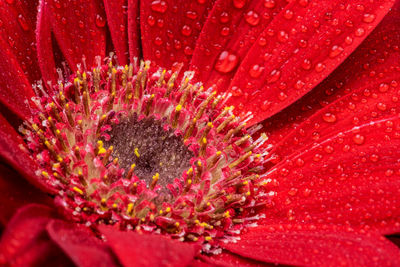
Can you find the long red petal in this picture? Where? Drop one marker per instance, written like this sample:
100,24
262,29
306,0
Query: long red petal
44,44
13,151
135,249
18,20
170,29
310,246
276,73
15,88
24,241
117,20
79,29
133,29
228,34
371,63
15,192
80,244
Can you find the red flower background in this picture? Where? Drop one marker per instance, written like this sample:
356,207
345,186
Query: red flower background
321,76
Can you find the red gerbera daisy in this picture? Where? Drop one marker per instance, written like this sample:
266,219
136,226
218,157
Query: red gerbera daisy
208,132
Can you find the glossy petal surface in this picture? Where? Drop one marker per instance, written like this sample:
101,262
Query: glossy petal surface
79,30
117,18
80,244
170,29
310,246
15,192
25,242
154,250
299,54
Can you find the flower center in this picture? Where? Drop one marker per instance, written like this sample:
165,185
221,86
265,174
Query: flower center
151,148
147,151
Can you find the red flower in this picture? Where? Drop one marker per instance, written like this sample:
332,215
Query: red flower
328,190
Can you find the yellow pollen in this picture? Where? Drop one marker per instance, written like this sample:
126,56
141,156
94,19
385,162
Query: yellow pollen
115,205
208,238
178,108
78,190
45,174
168,209
137,152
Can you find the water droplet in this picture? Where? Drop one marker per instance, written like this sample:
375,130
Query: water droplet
158,41
224,17
303,3
269,3
374,158
389,172
226,62
265,105
188,51
186,30
22,21
225,31
100,21
57,3
288,14
335,51
306,64
358,139
383,87
319,67
262,41
328,149
191,14
201,1
239,3
348,40
381,106
81,24
282,96
282,36
299,84
159,6
252,18
255,71
274,76
368,18
329,117
359,32
151,20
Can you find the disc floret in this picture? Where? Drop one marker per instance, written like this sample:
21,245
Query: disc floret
203,188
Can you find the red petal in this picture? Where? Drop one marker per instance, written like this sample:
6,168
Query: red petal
80,244
15,192
170,29
372,61
228,259
12,149
133,29
349,177
227,36
15,88
18,20
44,44
309,246
117,19
274,75
135,249
77,29
26,226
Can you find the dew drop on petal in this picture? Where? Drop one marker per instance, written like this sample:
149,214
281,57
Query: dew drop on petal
159,6
186,30
10,2
269,3
329,117
358,139
239,3
274,76
226,62
191,15
23,23
368,18
252,18
100,21
335,51
319,67
256,70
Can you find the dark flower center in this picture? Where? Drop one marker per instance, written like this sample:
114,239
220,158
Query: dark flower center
152,148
